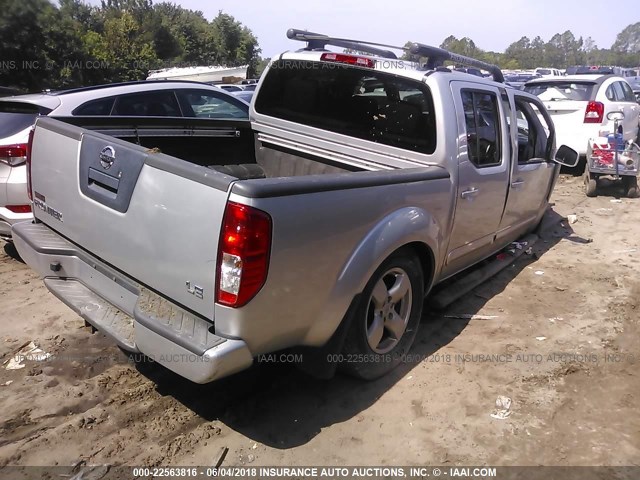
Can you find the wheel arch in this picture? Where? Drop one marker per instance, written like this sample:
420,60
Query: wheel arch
427,262
409,227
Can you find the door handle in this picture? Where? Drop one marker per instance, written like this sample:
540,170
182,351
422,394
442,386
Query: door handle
517,183
470,193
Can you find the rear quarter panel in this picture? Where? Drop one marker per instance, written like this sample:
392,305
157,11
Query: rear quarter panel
326,246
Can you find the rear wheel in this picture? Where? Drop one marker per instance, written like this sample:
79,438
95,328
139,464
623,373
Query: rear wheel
590,184
386,321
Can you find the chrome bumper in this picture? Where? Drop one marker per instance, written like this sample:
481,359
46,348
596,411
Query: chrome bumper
137,319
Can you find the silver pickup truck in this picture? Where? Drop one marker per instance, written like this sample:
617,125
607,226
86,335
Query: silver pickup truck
370,180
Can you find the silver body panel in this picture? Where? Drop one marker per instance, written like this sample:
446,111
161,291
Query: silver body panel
330,231
162,236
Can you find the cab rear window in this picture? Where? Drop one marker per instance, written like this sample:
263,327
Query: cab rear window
358,102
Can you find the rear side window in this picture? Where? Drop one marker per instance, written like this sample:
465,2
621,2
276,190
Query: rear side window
206,104
617,86
483,127
17,116
95,107
151,104
358,102
628,93
559,91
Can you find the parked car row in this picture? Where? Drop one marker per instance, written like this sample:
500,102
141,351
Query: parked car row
140,99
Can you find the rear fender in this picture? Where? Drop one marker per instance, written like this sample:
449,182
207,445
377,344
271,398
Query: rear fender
400,228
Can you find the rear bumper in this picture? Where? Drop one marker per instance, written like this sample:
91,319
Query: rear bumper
137,319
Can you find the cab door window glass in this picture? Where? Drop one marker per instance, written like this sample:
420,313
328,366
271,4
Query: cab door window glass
482,122
532,135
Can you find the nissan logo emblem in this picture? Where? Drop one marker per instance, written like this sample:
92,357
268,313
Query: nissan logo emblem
107,157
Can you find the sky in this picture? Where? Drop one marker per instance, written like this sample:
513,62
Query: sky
491,24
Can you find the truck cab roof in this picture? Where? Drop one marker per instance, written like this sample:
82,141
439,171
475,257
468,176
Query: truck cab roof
399,67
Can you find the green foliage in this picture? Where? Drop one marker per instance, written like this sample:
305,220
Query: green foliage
628,40
561,51
43,45
74,44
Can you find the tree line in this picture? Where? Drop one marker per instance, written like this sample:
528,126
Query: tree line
47,46
561,51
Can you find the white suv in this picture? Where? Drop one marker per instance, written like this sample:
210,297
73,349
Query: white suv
147,99
579,104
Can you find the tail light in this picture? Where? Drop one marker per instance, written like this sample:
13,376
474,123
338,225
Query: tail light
594,112
28,160
19,208
243,254
348,59
13,154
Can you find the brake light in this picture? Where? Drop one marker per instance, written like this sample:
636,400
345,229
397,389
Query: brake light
243,254
28,160
594,112
348,59
19,208
13,154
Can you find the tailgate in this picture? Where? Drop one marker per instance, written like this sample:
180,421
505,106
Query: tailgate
154,217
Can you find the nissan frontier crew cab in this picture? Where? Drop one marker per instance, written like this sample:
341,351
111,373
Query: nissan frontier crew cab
362,182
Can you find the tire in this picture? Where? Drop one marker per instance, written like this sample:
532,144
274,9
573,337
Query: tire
590,184
383,328
631,187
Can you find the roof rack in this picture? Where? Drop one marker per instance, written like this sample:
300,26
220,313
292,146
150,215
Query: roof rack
437,57
320,41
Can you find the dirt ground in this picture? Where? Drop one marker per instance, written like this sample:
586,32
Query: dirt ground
558,335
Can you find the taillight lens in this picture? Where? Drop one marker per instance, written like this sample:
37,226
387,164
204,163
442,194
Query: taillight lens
19,208
13,154
243,254
28,160
594,112
348,59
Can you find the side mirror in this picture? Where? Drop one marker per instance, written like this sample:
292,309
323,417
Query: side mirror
617,115
567,156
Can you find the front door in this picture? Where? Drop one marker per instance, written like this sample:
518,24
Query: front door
531,172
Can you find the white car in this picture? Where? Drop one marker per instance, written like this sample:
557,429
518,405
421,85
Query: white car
579,105
148,98
548,72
